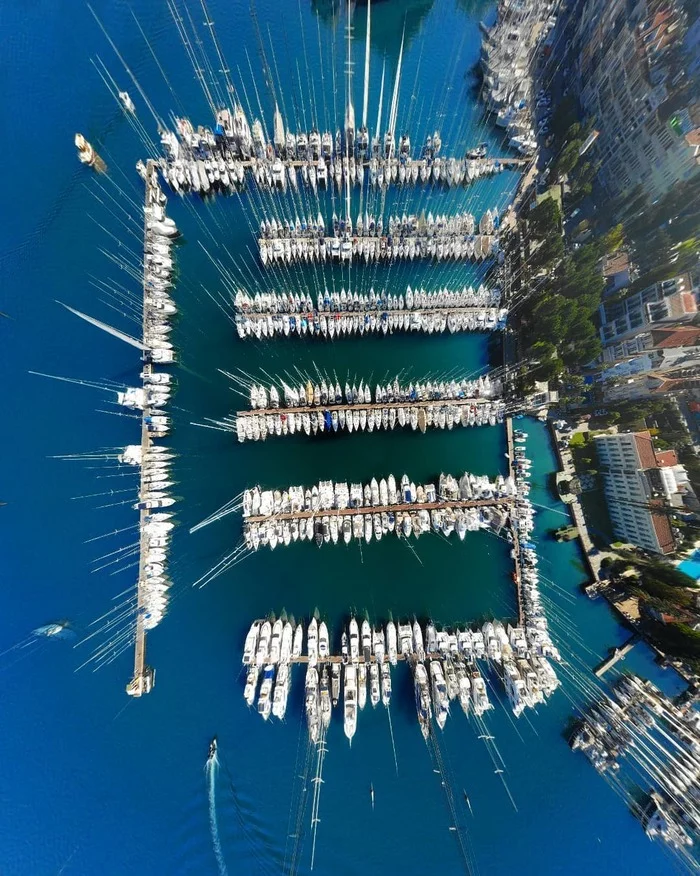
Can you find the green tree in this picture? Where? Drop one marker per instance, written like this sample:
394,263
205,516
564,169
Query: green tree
568,159
544,219
613,240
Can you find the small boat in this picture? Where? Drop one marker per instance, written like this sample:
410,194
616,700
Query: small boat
371,795
87,155
60,630
212,750
127,102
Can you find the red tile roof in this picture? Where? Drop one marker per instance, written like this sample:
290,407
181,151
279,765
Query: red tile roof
675,336
645,449
690,305
665,458
662,528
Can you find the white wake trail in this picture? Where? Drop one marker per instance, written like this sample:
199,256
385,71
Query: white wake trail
211,769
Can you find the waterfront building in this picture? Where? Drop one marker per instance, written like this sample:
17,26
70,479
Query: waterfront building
641,484
629,69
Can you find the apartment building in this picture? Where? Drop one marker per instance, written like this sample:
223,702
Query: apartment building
638,480
669,302
630,70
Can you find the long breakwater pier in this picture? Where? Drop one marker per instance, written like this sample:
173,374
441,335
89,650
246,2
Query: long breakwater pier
153,459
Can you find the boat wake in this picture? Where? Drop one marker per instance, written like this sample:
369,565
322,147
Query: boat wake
212,768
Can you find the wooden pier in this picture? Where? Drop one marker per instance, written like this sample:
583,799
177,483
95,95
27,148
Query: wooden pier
371,406
455,505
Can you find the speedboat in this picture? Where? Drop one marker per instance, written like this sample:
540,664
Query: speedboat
212,749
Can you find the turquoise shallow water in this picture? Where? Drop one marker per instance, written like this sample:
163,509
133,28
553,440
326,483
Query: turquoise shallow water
691,566
93,782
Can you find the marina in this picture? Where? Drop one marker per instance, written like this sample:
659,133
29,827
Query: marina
339,314
507,51
318,408
446,665
659,740
258,426
443,245
382,322
270,303
231,155
377,509
218,793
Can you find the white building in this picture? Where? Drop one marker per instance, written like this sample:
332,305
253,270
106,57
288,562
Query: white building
637,479
630,63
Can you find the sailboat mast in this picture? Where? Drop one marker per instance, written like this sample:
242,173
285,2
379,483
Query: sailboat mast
381,99
349,118
366,94
395,97
107,328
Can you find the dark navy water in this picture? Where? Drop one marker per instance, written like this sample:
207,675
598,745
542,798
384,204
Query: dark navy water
93,782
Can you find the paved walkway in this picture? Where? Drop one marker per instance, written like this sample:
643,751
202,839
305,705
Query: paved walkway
594,557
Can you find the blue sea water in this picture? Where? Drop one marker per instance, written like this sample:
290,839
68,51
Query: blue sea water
93,782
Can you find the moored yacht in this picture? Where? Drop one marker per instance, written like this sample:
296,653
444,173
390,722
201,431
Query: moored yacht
422,694
441,703
350,701
313,719
265,697
281,692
